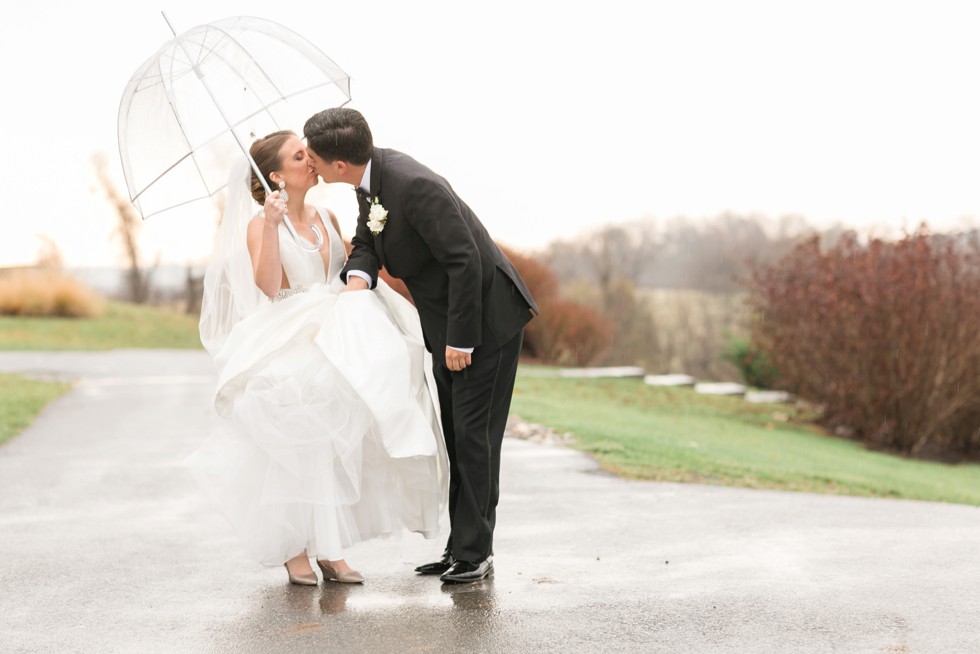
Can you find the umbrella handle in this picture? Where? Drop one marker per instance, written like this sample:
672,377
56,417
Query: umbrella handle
300,241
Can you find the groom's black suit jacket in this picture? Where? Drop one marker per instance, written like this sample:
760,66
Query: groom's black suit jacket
467,293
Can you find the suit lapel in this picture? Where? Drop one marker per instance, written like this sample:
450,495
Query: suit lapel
377,160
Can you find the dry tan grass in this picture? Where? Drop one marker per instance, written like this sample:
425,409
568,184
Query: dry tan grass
46,292
693,330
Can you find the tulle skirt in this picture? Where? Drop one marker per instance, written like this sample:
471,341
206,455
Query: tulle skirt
328,429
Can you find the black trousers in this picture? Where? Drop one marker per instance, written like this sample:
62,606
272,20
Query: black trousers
475,403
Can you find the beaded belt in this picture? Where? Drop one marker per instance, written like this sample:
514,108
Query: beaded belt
288,292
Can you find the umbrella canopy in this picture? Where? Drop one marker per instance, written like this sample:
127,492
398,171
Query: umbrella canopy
204,97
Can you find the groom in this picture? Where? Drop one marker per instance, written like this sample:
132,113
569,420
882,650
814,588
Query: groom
472,304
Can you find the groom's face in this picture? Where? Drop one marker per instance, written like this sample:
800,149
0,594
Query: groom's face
328,171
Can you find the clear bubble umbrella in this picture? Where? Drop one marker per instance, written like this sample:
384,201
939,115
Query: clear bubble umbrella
205,95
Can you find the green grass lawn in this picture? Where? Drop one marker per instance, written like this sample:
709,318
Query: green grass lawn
672,434
21,400
120,326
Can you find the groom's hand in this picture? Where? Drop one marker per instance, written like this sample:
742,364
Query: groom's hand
456,360
354,283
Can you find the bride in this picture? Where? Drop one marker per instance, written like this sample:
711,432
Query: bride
328,433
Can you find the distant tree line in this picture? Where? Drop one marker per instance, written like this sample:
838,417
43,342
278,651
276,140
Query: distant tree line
671,291
714,254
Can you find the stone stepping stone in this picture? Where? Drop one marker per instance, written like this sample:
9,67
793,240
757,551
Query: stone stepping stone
768,397
621,372
669,380
720,388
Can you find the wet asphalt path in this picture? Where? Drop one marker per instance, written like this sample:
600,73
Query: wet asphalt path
106,546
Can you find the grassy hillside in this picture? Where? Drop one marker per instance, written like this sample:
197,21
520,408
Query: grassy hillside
645,432
121,325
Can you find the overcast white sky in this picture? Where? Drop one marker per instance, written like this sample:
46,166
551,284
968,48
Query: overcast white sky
548,118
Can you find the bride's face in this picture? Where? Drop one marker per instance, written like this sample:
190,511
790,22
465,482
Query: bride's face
297,168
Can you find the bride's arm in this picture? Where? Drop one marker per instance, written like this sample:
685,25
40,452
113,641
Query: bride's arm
263,248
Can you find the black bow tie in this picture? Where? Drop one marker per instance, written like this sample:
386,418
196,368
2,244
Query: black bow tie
361,193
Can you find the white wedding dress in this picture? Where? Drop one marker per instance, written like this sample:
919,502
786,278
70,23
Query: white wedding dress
329,428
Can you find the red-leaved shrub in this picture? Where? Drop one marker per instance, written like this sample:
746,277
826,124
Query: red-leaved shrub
565,333
885,335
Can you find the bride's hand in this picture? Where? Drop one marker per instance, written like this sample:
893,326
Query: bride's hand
354,283
274,208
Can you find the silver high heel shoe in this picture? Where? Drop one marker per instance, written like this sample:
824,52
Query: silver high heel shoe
301,580
329,574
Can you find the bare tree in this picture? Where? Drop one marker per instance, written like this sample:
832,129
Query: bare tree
617,253
607,256
611,261
48,254
137,277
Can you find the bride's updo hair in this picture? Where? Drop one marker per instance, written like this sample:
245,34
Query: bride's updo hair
265,152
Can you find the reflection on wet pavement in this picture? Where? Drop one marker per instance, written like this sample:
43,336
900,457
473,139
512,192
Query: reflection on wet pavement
333,598
393,611
470,597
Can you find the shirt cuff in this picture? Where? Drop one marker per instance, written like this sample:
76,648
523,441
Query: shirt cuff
363,275
467,350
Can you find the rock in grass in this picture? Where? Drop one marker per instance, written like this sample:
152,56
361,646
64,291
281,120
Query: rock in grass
528,431
669,380
767,397
622,372
720,388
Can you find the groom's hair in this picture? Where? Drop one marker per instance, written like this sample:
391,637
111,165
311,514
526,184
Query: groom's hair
340,134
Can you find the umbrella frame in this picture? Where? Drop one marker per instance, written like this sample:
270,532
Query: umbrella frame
302,242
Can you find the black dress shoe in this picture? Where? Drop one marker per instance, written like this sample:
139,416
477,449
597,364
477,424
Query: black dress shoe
437,567
464,572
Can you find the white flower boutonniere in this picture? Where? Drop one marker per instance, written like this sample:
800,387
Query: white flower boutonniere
377,217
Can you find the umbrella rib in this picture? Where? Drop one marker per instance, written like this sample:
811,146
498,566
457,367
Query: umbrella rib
183,132
204,38
180,204
158,177
213,51
282,96
187,141
264,108
248,86
220,134
226,33
309,88
245,50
